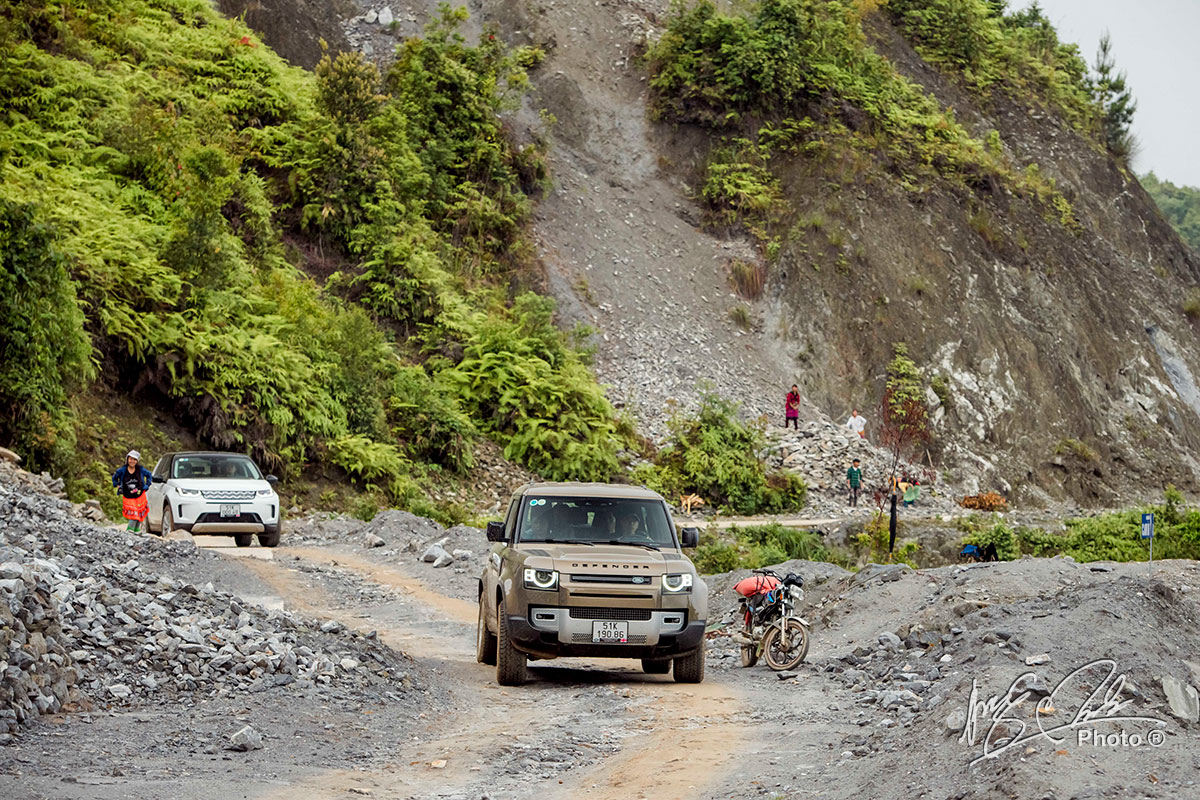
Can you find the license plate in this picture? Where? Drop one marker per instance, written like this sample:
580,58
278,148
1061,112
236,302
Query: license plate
231,510
608,631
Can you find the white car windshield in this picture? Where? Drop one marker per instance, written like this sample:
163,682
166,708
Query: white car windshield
595,520
215,465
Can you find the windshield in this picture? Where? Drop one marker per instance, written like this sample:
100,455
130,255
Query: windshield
595,520
215,465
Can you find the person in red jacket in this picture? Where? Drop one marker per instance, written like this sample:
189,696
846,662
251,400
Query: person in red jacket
792,408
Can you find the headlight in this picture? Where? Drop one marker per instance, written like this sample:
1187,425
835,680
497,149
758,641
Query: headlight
541,579
265,492
678,583
188,492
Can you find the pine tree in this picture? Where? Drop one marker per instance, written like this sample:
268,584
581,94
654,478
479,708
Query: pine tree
1115,101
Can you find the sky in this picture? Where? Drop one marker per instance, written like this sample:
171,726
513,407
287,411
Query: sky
1157,44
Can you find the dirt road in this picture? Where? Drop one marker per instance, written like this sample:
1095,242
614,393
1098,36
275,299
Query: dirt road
593,729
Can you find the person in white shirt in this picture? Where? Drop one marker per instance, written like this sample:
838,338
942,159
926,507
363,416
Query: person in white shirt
857,424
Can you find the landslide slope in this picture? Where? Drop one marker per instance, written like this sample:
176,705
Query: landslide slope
945,187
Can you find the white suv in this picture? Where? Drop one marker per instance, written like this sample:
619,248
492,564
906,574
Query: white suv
214,493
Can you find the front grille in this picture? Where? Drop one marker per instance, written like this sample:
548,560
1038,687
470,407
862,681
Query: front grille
638,580
597,612
227,494
586,638
214,518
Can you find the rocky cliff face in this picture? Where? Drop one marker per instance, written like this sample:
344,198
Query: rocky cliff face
1064,362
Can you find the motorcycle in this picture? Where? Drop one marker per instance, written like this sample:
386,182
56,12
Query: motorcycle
771,625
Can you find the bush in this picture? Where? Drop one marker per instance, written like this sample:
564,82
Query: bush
533,391
715,455
45,352
757,546
999,534
172,155
426,416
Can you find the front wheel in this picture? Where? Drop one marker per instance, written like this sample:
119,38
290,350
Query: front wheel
510,662
485,640
780,657
690,668
168,522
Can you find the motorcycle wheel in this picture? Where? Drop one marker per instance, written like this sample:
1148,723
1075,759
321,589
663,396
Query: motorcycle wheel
749,651
749,655
780,658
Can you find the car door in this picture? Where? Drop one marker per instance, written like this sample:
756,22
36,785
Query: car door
496,559
158,487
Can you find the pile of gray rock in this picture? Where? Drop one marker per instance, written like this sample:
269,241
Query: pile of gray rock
84,624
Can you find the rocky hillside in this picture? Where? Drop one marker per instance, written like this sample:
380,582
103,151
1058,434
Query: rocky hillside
1039,291
785,193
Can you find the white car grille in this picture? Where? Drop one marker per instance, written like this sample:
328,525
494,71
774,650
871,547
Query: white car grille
227,494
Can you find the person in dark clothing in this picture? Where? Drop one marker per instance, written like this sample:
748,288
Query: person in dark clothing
854,482
792,408
131,482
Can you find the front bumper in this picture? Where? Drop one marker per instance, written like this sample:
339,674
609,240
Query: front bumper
199,515
552,632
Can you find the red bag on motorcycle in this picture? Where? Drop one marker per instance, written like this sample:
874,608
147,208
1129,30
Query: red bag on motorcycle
756,584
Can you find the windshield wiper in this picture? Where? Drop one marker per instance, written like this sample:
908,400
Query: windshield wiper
559,541
635,544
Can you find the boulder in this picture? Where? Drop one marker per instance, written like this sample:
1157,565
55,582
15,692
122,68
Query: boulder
246,739
1182,698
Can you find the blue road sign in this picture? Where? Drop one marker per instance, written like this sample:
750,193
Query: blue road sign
1147,526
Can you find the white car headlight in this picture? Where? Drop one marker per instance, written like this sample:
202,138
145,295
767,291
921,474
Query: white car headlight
188,492
678,583
544,579
265,492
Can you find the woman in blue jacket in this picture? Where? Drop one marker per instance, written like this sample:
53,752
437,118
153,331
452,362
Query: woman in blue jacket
131,482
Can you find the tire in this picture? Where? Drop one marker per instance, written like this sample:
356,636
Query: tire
243,539
749,651
779,659
510,662
690,668
168,522
268,539
485,640
656,667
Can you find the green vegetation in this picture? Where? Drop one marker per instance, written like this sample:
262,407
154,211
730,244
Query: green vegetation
1179,204
1116,102
871,544
799,78
1081,450
167,180
757,546
1106,537
740,316
1017,52
713,454
45,350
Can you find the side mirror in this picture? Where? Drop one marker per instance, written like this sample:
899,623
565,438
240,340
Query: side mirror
689,537
271,479
495,531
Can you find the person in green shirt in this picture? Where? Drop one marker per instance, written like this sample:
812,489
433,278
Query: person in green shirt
912,493
854,482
